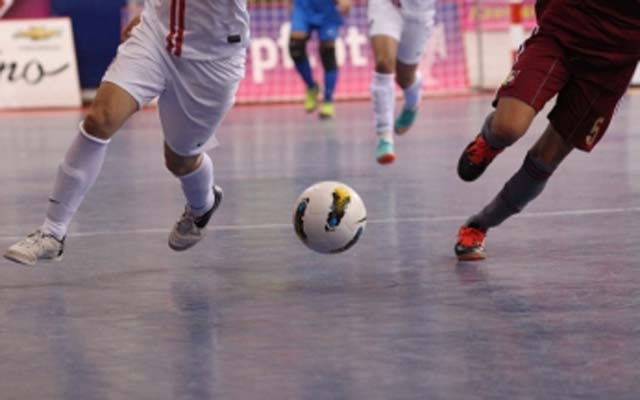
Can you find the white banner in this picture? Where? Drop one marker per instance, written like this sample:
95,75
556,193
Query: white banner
38,64
636,77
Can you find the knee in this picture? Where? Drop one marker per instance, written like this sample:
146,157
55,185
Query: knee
507,129
328,56
180,165
385,65
405,80
298,49
100,123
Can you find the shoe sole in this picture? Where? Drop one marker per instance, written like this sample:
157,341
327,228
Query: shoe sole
472,256
325,116
386,159
401,131
17,259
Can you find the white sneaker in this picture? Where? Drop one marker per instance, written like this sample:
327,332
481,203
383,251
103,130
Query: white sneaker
36,246
189,229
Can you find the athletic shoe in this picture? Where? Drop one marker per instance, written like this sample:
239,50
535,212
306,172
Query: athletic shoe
475,158
404,120
189,229
384,152
36,246
327,110
470,245
311,99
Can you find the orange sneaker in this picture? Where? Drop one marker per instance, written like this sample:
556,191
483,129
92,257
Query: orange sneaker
470,245
475,158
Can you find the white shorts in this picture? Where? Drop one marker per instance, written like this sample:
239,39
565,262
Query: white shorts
193,95
411,31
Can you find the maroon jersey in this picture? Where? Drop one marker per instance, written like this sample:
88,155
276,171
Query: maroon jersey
604,31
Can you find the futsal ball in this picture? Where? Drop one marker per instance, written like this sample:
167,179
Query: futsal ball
329,217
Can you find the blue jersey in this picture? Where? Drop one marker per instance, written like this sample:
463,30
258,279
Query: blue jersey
320,15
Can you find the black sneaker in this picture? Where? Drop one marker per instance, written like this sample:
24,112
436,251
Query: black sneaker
475,158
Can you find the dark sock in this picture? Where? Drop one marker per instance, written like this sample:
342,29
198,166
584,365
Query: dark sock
304,68
330,79
523,187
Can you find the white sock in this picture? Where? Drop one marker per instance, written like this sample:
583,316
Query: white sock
197,185
76,174
413,93
382,91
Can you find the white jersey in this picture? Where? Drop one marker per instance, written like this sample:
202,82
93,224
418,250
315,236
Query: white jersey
200,29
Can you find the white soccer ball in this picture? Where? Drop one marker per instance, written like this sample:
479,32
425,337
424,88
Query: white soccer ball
329,217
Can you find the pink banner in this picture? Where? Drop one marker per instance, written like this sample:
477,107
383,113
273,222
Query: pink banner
271,75
29,9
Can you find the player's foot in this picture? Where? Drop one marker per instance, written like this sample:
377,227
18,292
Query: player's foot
36,246
311,99
384,151
327,110
189,229
470,245
475,158
404,120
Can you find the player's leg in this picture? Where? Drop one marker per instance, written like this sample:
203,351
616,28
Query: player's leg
330,66
385,28
539,73
582,113
415,34
118,97
523,187
298,38
191,110
327,35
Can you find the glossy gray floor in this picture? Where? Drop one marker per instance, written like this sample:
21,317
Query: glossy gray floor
250,313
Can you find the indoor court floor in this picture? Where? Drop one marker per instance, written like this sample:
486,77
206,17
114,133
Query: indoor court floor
250,313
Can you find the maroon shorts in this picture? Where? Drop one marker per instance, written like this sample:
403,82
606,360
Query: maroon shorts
587,94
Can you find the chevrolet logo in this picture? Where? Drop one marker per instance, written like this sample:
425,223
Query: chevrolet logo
37,33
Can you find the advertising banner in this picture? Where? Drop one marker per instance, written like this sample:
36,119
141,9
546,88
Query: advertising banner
493,15
37,64
271,76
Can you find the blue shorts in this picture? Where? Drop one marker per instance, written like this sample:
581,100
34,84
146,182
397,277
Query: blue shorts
327,26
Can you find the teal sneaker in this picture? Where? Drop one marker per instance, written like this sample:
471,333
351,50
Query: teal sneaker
384,152
404,120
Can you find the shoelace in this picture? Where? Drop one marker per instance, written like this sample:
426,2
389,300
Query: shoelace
470,237
480,152
187,221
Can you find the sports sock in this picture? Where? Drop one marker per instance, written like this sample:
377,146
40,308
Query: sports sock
76,174
330,79
304,69
491,139
382,91
413,93
524,186
197,185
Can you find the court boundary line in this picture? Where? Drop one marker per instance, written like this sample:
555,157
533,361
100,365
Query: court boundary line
530,215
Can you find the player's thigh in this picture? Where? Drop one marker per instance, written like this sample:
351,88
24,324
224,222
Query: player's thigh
587,103
328,32
197,99
299,20
539,73
140,66
414,36
384,19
